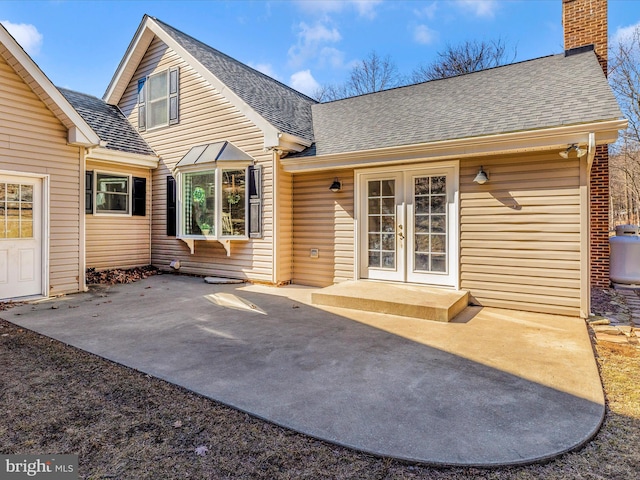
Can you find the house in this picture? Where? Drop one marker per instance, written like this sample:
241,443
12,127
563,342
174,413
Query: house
50,151
490,182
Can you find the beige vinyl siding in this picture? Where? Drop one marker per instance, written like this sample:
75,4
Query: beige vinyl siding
119,241
520,233
324,220
205,117
32,140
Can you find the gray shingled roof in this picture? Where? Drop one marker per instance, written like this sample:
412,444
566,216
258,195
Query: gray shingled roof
545,92
108,122
286,109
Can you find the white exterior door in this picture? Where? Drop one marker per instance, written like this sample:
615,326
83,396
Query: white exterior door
20,237
408,225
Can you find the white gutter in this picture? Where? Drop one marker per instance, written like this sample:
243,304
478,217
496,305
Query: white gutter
518,142
123,158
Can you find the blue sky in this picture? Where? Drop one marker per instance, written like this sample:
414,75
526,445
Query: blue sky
79,44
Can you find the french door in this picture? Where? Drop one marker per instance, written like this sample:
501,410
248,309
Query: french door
408,225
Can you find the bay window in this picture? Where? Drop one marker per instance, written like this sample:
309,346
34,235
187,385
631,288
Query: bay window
216,192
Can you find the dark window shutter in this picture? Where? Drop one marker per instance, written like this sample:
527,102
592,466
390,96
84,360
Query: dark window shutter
171,206
174,93
142,109
88,192
139,196
255,201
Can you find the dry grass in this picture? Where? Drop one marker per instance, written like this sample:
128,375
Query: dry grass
127,425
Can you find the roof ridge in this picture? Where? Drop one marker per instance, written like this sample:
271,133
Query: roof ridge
236,61
451,77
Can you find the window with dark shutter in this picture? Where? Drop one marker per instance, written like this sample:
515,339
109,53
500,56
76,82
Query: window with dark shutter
171,206
142,107
139,197
88,192
255,201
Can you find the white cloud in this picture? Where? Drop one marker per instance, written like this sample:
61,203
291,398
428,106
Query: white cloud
318,33
304,82
624,34
480,8
26,35
310,42
366,8
429,11
265,68
424,35
332,57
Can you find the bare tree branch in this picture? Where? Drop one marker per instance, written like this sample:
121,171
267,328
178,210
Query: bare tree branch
467,57
624,78
372,74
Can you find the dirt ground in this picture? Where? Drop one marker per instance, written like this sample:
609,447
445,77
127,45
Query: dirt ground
56,399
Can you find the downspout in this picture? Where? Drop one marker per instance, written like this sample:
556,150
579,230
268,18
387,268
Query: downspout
585,228
83,230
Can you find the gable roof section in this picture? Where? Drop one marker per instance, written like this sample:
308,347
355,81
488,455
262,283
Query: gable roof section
538,94
79,132
109,123
282,113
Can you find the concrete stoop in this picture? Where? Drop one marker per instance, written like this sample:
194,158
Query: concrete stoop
417,301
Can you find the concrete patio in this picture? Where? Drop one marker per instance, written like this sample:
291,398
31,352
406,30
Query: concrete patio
491,387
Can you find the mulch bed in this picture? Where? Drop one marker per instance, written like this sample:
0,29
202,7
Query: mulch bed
127,425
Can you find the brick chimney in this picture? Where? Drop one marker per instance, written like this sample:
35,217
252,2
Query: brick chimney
585,23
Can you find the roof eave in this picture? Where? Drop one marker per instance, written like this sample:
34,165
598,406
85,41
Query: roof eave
127,67
79,133
605,132
102,154
291,143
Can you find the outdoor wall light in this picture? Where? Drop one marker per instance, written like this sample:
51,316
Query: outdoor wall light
580,152
336,186
481,177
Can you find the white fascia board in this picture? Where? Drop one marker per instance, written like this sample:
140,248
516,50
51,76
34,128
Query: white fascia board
129,63
292,143
102,154
271,133
518,142
80,134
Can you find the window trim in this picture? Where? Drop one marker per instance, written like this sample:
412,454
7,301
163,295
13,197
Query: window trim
171,97
129,194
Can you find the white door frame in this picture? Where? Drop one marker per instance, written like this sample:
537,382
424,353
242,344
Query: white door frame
44,220
452,169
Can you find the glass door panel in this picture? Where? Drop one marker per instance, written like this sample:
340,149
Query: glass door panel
430,224
381,221
381,245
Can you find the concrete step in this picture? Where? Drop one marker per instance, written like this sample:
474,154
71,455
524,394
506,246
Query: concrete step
428,303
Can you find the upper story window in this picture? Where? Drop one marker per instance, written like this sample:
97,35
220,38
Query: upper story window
158,96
